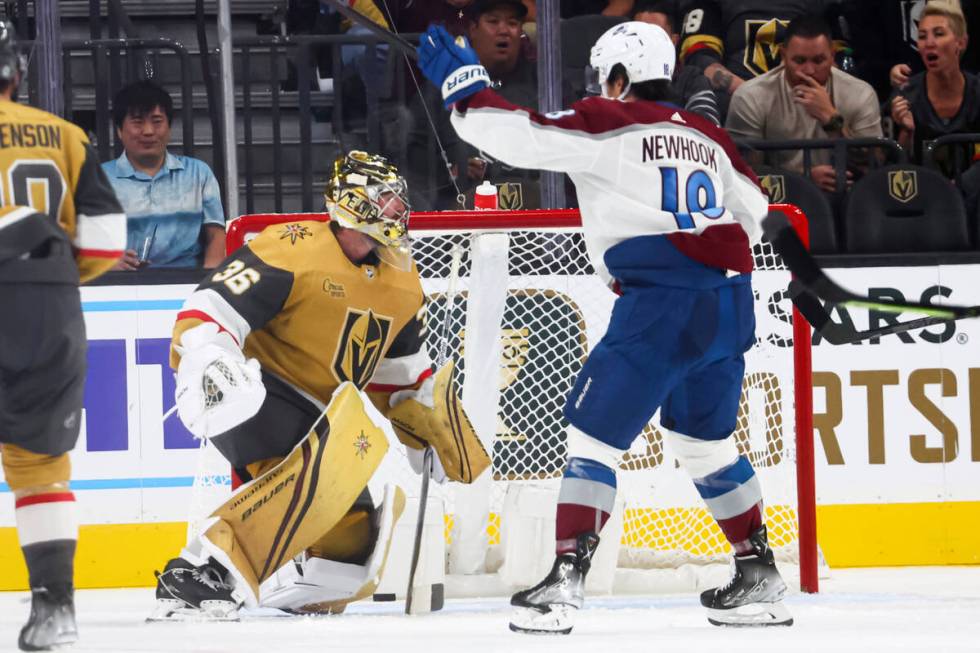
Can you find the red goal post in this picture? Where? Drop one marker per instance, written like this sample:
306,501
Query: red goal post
435,232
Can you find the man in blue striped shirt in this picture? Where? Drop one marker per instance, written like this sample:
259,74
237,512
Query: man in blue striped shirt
172,202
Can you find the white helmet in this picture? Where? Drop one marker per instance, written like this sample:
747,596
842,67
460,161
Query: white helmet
645,50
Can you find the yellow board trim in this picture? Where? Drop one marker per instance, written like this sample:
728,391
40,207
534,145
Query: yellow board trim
108,555
860,535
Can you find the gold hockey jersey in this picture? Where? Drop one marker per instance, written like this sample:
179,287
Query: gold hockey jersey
47,164
294,301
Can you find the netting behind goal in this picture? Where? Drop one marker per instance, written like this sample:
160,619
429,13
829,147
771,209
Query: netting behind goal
519,318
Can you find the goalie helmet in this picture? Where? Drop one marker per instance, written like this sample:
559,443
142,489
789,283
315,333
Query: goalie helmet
366,193
644,50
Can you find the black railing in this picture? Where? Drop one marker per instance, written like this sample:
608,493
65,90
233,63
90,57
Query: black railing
839,147
962,158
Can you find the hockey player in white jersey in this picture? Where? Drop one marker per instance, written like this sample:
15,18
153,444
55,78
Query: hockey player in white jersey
669,211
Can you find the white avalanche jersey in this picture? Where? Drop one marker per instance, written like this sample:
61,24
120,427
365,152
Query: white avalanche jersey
640,169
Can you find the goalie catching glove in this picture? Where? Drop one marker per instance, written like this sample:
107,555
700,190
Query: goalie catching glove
217,389
434,416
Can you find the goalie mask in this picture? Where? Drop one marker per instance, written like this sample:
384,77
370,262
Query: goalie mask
644,50
366,193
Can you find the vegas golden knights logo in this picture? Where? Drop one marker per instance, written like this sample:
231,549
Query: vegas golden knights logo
903,185
775,187
510,196
762,41
361,345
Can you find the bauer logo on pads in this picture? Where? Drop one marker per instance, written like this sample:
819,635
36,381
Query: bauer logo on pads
903,185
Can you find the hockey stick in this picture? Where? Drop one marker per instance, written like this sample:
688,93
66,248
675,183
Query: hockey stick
412,606
812,277
842,334
385,35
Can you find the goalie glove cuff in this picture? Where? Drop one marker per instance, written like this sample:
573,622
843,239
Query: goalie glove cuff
464,82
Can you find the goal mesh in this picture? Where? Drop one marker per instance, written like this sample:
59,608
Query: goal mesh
556,309
525,279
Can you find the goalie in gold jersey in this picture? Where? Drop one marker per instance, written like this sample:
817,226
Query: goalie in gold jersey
290,332
60,224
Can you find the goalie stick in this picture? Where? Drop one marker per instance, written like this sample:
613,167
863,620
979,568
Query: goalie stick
412,605
809,274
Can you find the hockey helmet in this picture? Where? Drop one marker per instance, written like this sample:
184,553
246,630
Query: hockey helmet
644,50
11,63
366,193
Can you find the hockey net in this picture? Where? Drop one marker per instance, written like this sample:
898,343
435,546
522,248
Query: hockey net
513,299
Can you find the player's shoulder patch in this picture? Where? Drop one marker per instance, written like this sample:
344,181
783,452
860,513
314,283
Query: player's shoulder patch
294,231
288,244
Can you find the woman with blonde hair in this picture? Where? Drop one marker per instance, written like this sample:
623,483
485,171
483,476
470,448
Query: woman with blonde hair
944,99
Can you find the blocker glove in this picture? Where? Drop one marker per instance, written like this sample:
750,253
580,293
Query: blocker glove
451,64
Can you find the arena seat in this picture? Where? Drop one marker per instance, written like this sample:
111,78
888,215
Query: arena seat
793,188
905,208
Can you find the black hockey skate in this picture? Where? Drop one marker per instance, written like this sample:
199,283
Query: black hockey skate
52,621
753,597
549,607
188,592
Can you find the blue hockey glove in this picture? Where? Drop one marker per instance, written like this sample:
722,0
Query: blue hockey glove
451,64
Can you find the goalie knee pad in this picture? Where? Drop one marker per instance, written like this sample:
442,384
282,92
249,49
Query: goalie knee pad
321,584
270,520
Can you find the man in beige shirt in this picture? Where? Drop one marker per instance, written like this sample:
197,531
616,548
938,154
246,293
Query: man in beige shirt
805,97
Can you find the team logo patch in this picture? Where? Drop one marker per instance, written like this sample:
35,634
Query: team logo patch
294,231
903,185
361,445
362,342
775,187
510,196
762,41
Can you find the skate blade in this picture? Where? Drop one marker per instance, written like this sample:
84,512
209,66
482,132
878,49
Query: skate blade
174,610
752,615
558,620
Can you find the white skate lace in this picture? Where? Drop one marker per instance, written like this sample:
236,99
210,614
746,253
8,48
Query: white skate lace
733,570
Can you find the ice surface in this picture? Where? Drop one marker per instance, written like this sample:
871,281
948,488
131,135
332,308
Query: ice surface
933,609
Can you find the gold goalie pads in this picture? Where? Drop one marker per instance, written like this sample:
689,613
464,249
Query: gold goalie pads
435,416
270,520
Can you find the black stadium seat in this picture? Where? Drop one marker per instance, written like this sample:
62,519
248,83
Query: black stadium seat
905,208
793,188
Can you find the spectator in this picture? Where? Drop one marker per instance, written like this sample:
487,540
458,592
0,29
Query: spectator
690,84
886,53
944,99
172,202
736,41
494,29
805,97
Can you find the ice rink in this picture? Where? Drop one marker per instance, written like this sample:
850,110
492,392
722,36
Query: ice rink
904,609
